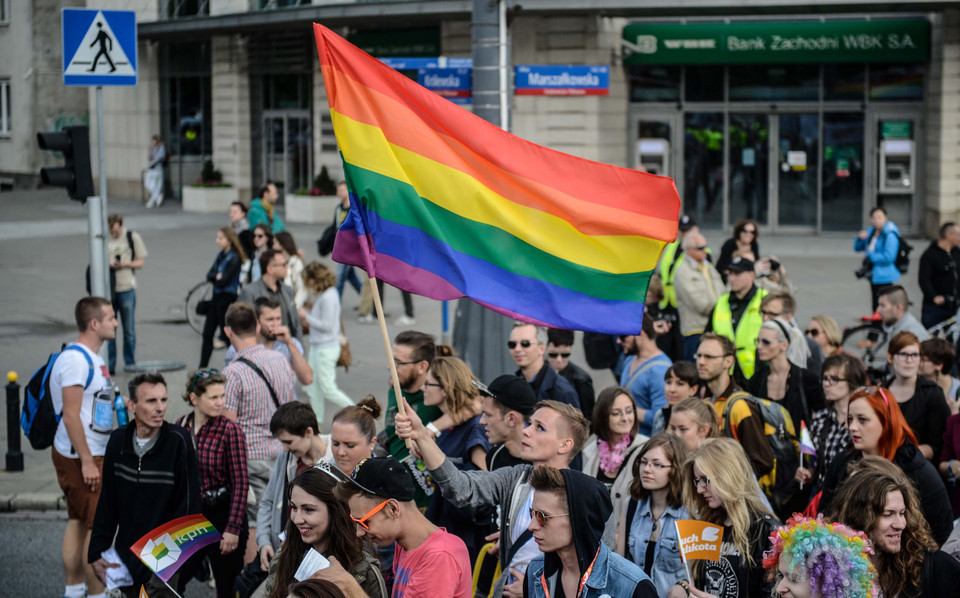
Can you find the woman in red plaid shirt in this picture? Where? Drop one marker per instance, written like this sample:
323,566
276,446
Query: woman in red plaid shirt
222,455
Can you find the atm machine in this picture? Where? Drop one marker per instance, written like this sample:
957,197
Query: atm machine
653,154
897,166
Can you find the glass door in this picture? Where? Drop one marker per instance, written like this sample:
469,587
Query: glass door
749,167
843,172
287,150
798,169
703,180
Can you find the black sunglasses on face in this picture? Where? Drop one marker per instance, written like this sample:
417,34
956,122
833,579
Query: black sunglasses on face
524,343
554,355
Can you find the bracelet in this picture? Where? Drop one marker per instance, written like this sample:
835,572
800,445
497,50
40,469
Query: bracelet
683,583
434,429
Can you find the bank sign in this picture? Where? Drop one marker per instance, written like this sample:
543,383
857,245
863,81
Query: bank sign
903,40
548,80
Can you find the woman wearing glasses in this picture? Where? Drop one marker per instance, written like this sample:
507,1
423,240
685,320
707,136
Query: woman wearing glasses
877,428
842,374
319,521
224,274
222,459
647,535
825,331
743,242
262,240
921,401
611,450
719,488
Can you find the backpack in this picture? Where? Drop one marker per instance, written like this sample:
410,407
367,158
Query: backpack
903,255
113,273
38,420
600,350
778,485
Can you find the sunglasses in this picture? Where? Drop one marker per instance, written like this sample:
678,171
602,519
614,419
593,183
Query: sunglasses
362,522
766,341
702,247
541,518
554,355
812,332
202,375
524,343
259,236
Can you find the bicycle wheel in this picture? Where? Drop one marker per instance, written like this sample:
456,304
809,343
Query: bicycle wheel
200,292
862,342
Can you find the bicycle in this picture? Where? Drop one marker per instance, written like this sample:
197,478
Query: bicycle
202,291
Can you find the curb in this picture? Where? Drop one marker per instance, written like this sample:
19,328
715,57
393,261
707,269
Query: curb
32,501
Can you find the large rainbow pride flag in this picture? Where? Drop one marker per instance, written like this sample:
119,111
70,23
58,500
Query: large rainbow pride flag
447,205
168,547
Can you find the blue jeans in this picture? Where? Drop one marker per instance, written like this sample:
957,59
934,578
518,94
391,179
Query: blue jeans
345,274
125,303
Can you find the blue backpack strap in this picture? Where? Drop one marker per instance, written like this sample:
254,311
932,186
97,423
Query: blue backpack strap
89,363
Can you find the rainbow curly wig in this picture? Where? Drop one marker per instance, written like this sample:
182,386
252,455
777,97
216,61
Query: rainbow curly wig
834,557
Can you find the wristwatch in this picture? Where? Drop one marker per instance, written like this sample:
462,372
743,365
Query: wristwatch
434,429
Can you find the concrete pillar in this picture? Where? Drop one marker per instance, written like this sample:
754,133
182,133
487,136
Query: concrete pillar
230,89
942,201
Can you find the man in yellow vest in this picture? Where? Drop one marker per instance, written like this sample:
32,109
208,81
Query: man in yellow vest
671,258
737,314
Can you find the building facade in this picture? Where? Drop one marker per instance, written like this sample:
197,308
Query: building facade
800,115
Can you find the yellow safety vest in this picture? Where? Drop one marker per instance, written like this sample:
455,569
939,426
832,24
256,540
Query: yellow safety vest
748,329
668,269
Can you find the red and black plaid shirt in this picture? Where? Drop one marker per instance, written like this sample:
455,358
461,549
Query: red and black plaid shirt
222,457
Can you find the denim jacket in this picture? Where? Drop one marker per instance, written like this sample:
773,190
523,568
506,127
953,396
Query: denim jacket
227,264
667,566
612,577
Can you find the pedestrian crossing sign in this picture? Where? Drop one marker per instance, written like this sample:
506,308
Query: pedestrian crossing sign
99,47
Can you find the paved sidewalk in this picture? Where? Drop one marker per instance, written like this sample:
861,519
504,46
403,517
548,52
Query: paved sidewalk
44,253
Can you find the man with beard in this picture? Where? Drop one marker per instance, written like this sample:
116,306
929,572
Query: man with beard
275,336
737,314
892,305
643,373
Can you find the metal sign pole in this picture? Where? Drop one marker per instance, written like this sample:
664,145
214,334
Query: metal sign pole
100,233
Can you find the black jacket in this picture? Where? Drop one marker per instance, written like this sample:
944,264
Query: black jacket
934,501
926,414
583,384
801,384
140,494
549,386
939,578
939,275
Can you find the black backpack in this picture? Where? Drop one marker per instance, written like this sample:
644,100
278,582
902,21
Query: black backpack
113,273
903,255
39,420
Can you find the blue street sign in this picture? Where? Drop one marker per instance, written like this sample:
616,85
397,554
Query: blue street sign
547,80
453,84
99,47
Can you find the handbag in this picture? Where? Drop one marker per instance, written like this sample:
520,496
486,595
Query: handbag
346,359
329,236
203,307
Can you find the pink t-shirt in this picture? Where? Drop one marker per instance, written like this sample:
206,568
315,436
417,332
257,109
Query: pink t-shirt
438,567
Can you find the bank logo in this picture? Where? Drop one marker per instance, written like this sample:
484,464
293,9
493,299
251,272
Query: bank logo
647,44
160,553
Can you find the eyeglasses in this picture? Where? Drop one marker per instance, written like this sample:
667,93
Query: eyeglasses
832,380
812,332
656,466
701,482
433,384
554,355
362,521
542,517
399,363
202,375
280,264
524,343
699,356
702,247
259,236
752,231
908,356
771,314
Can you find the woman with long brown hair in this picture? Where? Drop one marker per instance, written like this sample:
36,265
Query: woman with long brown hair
224,274
319,521
886,507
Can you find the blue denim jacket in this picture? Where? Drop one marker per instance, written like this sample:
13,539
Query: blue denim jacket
612,577
667,565
224,260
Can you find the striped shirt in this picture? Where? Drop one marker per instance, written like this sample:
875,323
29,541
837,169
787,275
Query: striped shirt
249,397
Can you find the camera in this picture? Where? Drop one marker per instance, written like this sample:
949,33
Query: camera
865,270
212,498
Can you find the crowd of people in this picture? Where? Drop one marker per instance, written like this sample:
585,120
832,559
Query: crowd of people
828,478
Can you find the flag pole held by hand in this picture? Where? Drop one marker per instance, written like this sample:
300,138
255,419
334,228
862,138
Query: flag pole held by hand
394,378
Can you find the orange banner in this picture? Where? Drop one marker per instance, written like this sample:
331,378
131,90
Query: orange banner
699,540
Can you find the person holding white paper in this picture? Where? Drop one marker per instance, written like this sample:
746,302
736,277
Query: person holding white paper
319,521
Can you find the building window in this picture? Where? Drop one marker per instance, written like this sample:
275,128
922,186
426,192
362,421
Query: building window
4,106
173,9
4,12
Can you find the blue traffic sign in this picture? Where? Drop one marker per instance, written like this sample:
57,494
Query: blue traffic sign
99,47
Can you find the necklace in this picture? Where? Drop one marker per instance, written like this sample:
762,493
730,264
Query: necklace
656,520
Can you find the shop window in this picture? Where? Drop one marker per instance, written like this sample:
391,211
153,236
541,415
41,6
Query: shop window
703,167
703,84
844,82
4,107
286,92
896,82
654,83
770,83
185,91
174,9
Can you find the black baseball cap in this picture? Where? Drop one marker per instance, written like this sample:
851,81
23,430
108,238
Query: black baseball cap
513,392
686,223
740,264
384,477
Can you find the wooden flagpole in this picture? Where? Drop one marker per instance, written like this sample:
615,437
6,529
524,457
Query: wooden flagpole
388,347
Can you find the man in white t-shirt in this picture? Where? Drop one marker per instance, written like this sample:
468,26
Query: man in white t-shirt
82,391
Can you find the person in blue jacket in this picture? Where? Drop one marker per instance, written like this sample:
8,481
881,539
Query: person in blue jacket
881,243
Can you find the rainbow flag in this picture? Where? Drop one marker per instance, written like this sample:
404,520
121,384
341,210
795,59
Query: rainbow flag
447,205
166,548
806,443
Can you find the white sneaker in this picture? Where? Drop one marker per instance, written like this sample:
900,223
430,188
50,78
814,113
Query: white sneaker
159,201
405,321
367,319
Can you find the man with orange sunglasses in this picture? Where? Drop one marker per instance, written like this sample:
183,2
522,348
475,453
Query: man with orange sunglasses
428,561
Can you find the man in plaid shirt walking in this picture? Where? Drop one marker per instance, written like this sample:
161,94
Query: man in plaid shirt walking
258,381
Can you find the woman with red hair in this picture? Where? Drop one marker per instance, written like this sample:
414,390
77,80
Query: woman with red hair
877,428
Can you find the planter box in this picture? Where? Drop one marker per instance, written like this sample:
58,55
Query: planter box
206,200
310,209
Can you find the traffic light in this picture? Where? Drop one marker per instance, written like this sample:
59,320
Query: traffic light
74,175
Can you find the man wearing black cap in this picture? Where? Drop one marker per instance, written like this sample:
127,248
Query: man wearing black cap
507,406
670,259
737,314
567,520
428,562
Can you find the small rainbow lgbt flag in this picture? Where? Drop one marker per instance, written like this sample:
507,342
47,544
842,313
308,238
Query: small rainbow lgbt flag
806,443
166,548
447,205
